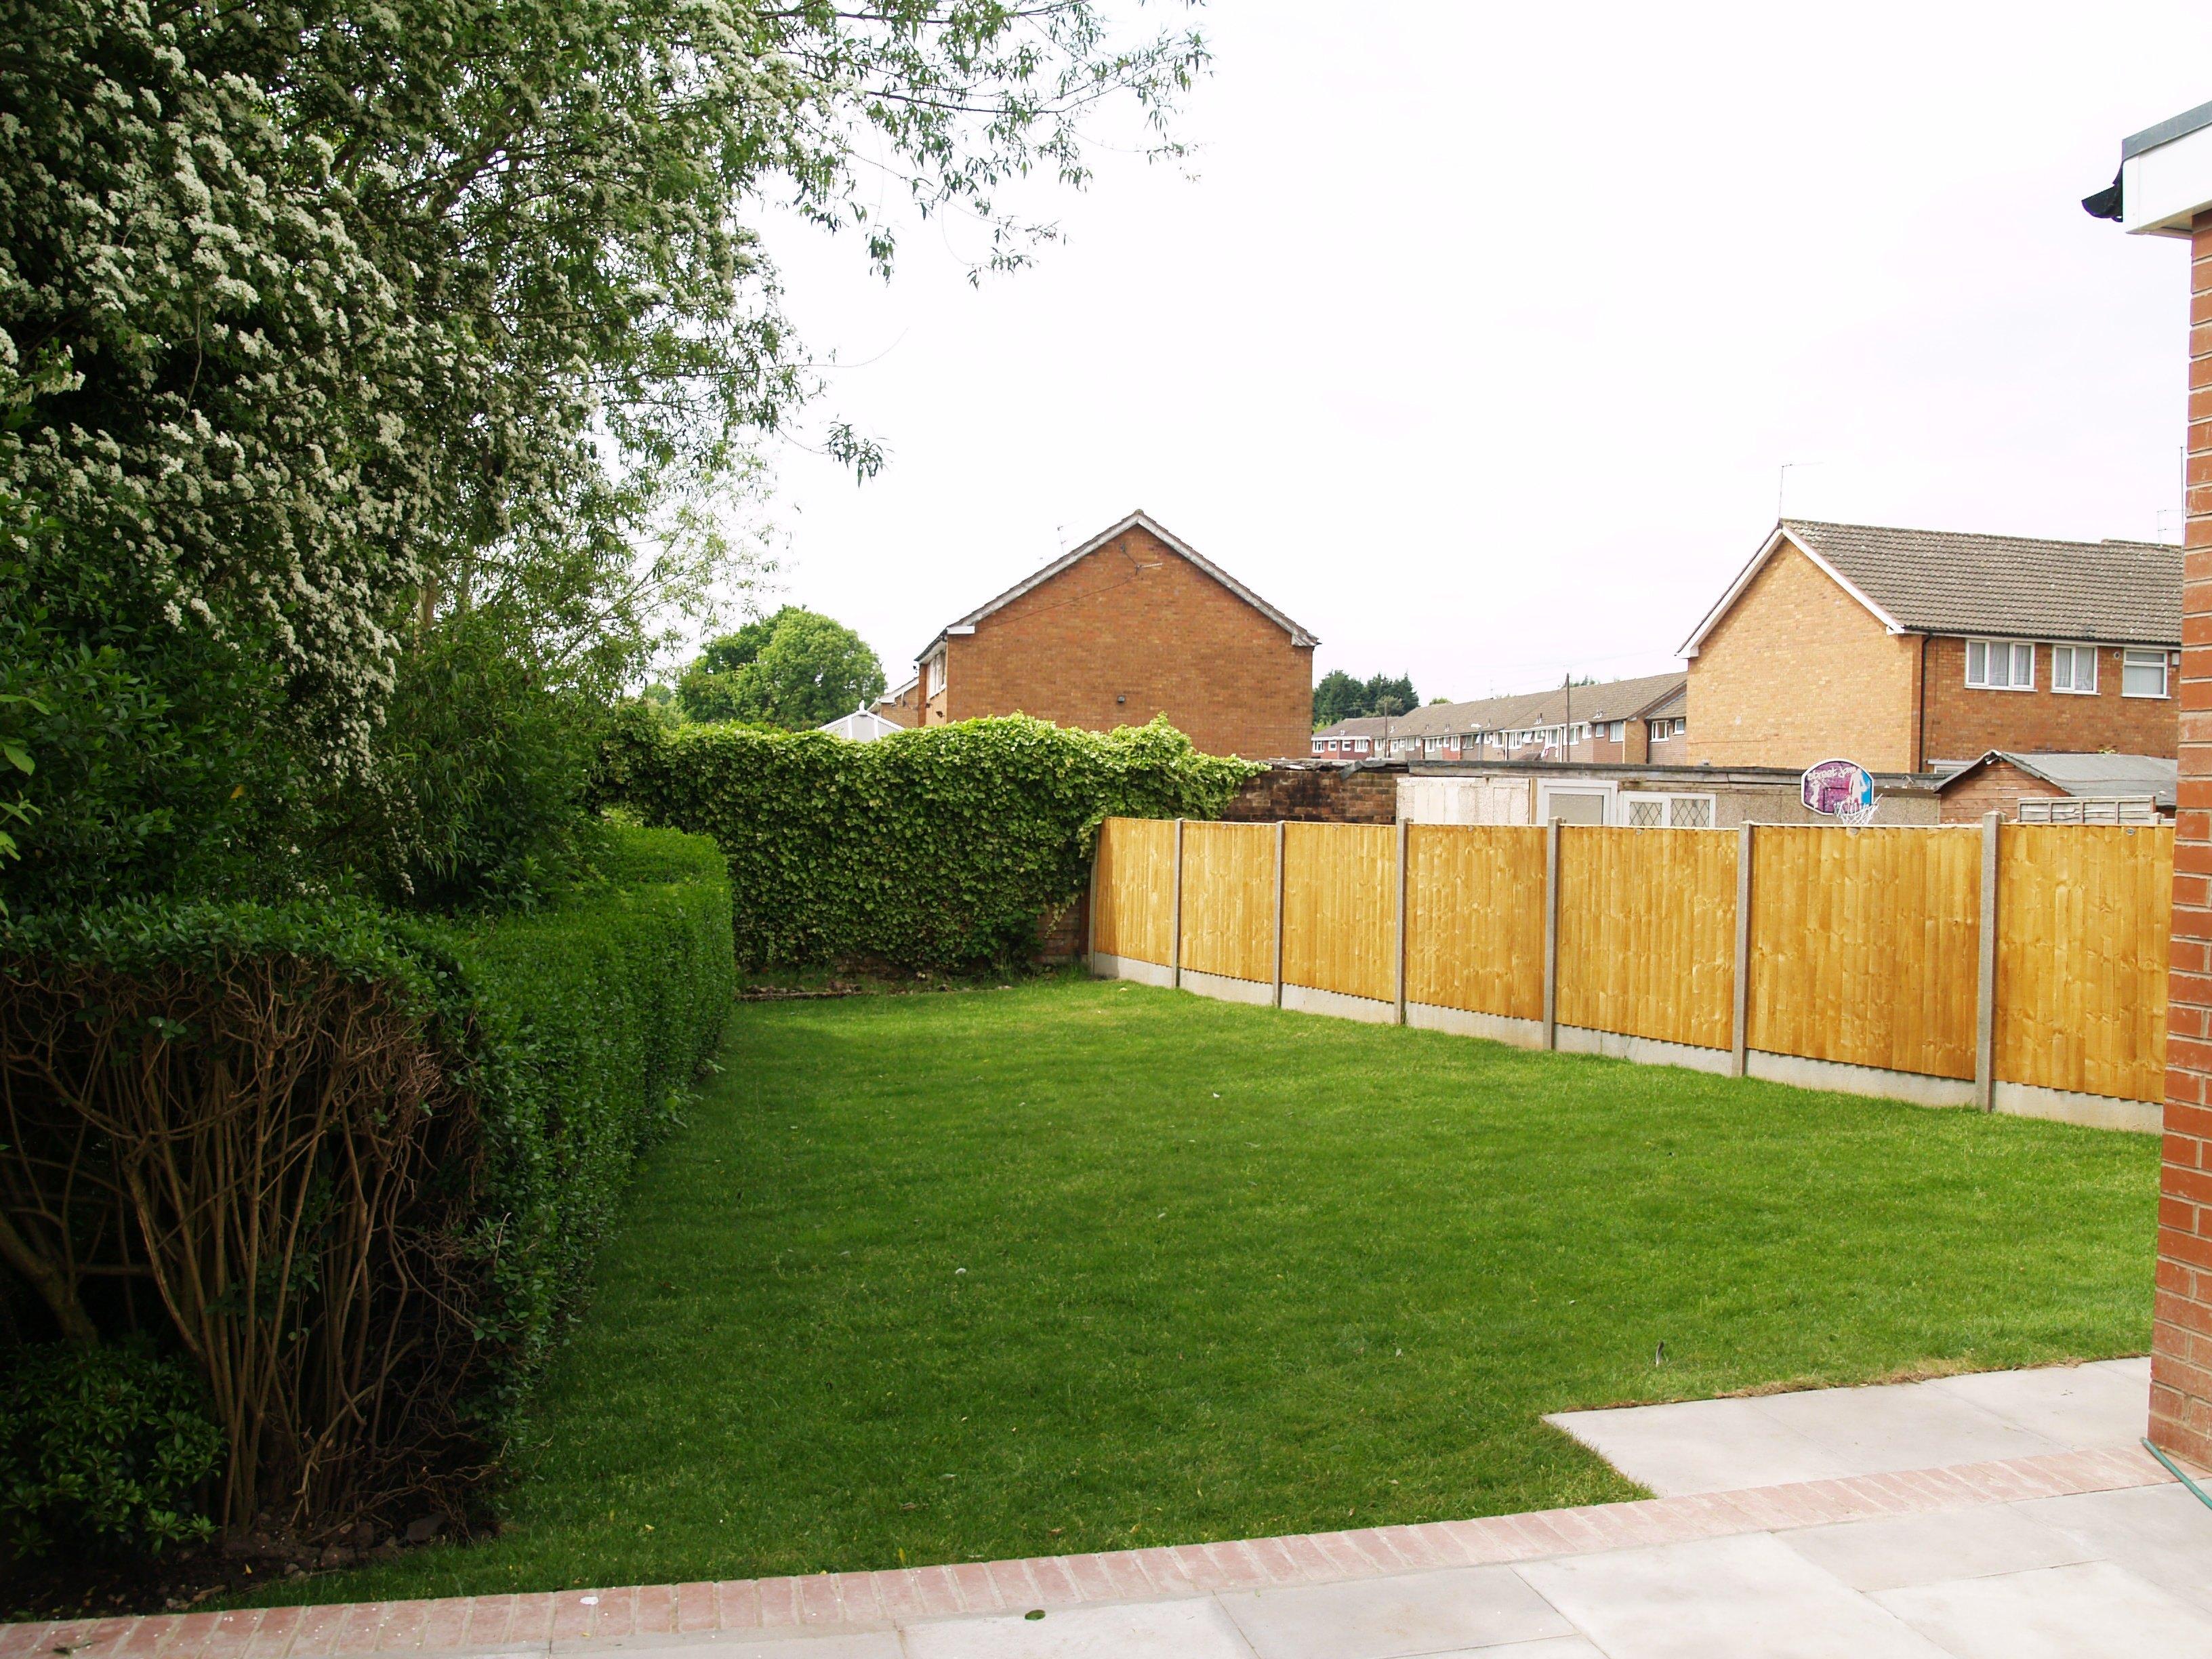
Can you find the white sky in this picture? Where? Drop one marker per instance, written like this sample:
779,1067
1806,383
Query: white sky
1477,339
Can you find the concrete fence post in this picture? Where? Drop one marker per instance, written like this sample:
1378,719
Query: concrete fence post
1985,976
1552,934
1398,951
1282,839
1739,1044
1174,914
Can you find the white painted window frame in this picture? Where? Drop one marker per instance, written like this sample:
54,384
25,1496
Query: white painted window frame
1606,786
2165,673
2012,649
1668,796
2075,655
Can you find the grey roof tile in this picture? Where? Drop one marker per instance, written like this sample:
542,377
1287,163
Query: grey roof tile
1934,582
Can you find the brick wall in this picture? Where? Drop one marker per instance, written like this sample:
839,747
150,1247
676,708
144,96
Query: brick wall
1964,724
2181,1329
1061,936
1997,788
1317,795
1798,671
1133,631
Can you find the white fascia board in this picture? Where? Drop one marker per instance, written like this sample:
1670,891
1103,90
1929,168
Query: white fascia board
1767,549
2165,187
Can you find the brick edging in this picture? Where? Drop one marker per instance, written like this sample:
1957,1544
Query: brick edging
875,1600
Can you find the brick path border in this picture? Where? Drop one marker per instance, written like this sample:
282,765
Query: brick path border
853,1600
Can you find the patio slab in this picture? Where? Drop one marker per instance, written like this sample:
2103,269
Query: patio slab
1726,1445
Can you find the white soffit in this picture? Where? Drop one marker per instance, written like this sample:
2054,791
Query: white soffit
2166,175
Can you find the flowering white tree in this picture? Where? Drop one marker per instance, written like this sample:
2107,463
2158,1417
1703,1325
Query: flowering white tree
320,321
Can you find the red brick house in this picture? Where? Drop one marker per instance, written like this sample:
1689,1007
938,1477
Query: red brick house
1132,624
1919,650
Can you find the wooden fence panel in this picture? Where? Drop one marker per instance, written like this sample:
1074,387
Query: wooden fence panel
1136,889
1229,900
2082,928
1647,932
1339,901
1863,946
1474,918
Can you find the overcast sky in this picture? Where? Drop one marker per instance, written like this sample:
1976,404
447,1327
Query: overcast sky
1477,339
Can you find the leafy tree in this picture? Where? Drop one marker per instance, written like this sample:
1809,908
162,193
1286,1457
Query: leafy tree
1341,697
323,324
796,670
1337,697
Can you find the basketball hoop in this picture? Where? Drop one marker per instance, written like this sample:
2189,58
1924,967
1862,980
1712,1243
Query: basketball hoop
1839,789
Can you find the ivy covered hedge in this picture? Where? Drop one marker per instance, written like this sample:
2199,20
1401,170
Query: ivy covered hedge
348,1169
930,848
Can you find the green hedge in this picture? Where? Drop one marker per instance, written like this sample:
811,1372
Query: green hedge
929,848
495,1076
596,1014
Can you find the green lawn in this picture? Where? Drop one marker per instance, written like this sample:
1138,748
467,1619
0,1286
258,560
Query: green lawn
1080,1265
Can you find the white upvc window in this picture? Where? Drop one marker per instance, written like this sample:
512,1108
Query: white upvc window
2001,664
2074,669
2142,672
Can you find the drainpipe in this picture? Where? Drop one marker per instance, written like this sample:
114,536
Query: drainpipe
1920,707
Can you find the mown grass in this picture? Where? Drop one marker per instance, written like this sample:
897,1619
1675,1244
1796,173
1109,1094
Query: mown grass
1080,1265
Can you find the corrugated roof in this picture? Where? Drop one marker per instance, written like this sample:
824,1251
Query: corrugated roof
1936,581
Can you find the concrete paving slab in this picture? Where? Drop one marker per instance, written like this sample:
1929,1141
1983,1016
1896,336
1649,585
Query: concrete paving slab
2077,1406
1428,1613
1700,1446
1745,1597
1926,1549
799,1645
1196,1628
1913,1425
2160,1533
1552,1647
2093,1611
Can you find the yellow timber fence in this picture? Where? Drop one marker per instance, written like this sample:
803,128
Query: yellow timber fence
2018,968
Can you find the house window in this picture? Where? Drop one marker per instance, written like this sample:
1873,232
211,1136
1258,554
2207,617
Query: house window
2142,673
2074,669
2001,664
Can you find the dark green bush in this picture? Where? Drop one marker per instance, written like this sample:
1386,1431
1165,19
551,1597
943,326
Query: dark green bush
476,795
102,1449
936,848
597,1013
443,1112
